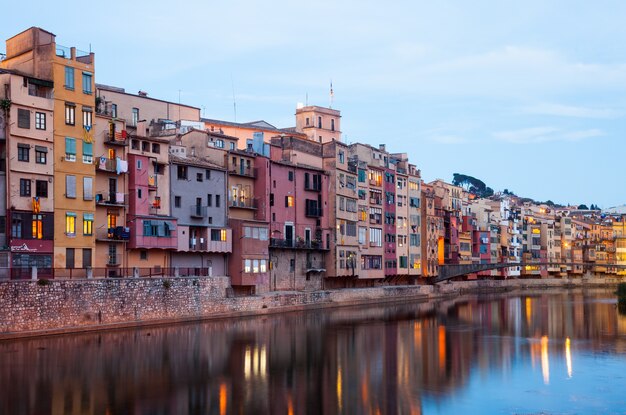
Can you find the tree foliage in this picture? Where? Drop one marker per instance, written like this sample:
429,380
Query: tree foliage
472,185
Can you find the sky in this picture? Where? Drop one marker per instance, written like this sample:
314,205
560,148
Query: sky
528,95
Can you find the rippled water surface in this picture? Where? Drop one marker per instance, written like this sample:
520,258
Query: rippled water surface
555,352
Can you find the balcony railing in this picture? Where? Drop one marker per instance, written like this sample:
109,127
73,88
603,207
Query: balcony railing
314,266
198,211
108,165
313,212
116,234
295,244
111,199
245,171
114,260
244,203
313,186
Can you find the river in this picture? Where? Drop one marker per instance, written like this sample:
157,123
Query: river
554,352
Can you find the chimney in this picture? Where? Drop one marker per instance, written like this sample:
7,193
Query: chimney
381,147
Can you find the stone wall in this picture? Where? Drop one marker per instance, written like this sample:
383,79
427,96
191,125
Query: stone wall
28,308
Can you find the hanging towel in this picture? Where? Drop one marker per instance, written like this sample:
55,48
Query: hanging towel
117,165
123,166
102,165
119,197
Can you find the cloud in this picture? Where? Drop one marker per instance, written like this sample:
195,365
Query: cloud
545,134
573,111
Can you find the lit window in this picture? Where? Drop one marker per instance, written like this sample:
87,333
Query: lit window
255,266
288,201
247,267
37,227
223,235
70,224
88,224
87,117
263,265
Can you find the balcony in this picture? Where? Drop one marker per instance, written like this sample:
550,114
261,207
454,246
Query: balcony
198,211
315,266
243,171
313,212
114,260
118,234
313,186
111,199
296,244
111,166
243,203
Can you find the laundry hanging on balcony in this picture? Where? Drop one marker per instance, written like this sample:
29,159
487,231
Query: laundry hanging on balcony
121,166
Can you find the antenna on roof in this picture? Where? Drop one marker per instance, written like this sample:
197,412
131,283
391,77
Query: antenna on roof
232,83
332,94
306,100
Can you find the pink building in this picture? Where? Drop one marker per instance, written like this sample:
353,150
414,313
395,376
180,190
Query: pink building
389,197
299,229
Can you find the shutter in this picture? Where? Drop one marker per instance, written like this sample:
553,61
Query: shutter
87,149
70,186
70,145
23,118
87,188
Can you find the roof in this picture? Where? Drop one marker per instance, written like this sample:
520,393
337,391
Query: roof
119,90
195,161
261,124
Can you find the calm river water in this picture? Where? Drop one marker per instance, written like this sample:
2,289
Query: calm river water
542,352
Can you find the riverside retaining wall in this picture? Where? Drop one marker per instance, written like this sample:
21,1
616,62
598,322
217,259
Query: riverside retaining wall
28,308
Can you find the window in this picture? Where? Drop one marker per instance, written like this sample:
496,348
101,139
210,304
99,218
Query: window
145,146
87,83
376,237
41,154
87,152
135,118
40,120
209,200
271,199
139,193
134,144
70,113
16,227
291,176
23,152
288,201
139,164
114,110
24,187
70,186
70,149
232,146
207,174
87,188
319,122
332,125
156,148
87,117
362,235
182,173
219,143
87,257
307,121
341,156
37,227
69,77
292,265
143,255
177,201
69,257
41,188
23,118
70,224
199,177
247,265
87,224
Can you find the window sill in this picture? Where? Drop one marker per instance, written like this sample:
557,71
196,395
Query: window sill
69,88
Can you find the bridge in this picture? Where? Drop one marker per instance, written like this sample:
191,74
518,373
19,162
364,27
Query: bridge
447,272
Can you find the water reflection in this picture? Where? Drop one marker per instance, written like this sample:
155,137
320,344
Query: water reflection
439,357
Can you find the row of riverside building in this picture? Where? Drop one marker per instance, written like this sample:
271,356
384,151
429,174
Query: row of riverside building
97,180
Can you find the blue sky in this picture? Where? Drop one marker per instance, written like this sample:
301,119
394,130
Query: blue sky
528,96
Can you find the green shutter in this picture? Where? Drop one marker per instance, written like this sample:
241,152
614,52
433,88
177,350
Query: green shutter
87,149
70,145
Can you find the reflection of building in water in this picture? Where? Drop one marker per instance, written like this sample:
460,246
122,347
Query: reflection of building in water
385,359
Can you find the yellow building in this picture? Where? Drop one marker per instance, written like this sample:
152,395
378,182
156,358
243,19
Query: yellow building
35,52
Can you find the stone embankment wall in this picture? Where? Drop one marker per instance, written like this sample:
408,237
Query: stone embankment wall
28,308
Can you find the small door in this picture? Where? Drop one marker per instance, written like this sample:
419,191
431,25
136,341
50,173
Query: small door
307,237
289,233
